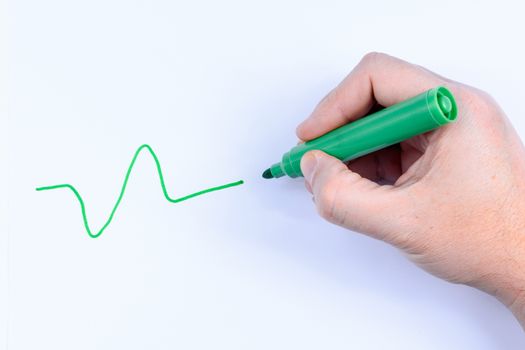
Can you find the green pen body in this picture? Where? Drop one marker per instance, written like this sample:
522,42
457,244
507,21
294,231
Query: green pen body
399,122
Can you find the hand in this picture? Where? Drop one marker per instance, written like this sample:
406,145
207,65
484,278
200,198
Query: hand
452,199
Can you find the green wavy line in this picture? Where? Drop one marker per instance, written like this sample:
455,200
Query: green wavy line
162,184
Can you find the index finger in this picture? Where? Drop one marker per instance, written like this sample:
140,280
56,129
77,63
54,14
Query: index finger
377,78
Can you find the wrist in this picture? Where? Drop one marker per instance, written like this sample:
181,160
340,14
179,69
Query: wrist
512,293
505,278
518,307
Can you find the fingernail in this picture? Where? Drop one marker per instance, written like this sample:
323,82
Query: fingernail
308,164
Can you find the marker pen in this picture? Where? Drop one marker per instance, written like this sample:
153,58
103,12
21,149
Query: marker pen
417,115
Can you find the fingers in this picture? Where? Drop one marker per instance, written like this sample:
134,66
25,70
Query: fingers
347,199
382,167
377,78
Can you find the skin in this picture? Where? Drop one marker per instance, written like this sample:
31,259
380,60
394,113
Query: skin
453,200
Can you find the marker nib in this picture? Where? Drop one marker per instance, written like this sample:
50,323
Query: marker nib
267,174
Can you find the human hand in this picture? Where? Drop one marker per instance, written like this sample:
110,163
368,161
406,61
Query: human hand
452,199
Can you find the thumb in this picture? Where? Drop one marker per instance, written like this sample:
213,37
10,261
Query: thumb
347,199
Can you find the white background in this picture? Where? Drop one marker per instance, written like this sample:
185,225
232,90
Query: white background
3,175
217,89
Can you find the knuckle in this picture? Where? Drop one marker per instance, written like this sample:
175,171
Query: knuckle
328,99
482,107
470,96
474,96
372,57
325,205
326,199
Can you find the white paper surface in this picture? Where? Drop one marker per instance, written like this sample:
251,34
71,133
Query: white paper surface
217,88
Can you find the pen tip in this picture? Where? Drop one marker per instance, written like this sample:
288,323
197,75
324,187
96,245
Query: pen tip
267,174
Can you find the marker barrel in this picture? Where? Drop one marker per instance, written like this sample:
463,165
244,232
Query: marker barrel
399,122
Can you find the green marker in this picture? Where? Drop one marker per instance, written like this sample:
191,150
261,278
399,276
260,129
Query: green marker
417,115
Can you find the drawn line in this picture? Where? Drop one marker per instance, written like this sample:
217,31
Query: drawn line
162,184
